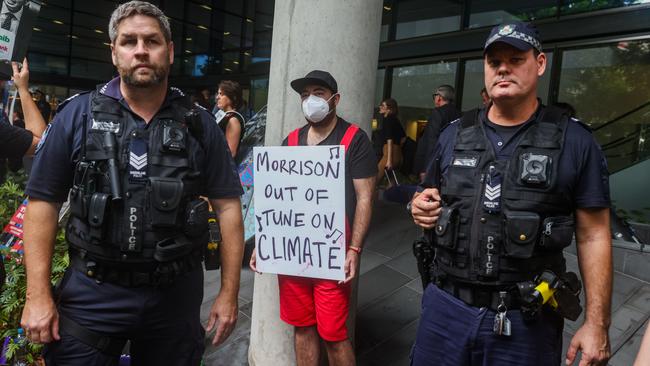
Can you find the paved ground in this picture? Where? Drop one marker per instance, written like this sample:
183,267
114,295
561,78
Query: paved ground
389,301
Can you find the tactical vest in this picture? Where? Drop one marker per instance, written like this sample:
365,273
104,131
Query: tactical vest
504,221
131,206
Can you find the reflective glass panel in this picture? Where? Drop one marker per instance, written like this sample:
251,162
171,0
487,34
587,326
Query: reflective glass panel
492,12
423,17
412,89
582,6
609,87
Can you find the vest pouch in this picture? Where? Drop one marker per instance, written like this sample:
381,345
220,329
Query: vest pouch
557,232
521,232
196,218
172,248
164,196
447,228
78,202
97,209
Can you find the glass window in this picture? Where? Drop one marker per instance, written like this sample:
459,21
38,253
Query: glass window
412,89
491,12
475,81
582,6
49,64
423,17
609,88
51,31
92,70
259,93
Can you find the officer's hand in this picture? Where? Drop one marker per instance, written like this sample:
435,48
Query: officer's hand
20,77
253,261
223,315
593,341
425,208
351,266
40,320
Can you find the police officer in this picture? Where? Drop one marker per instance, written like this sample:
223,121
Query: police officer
517,180
134,156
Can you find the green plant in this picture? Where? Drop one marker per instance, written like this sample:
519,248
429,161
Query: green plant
12,297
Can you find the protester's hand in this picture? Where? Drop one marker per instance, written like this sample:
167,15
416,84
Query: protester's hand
20,77
389,165
253,262
425,208
223,317
40,319
351,266
592,340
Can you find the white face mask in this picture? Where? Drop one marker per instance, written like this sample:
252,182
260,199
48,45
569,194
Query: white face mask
316,108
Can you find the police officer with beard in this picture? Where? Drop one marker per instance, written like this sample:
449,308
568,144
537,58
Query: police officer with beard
509,185
135,156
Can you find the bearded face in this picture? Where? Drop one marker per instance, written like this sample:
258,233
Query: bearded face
140,52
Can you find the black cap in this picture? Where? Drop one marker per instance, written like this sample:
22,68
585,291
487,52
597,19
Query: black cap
520,35
316,77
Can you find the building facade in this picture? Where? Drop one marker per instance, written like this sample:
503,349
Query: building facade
598,53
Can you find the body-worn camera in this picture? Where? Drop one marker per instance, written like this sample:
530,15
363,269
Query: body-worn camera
534,169
173,138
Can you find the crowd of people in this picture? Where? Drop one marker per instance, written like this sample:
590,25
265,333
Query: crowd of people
502,191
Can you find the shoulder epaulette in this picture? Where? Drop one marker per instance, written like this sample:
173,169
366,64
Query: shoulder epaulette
65,102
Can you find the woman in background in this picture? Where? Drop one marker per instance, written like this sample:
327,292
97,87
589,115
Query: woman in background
229,99
393,135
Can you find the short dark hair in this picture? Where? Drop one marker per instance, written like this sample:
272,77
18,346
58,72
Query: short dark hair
232,90
392,106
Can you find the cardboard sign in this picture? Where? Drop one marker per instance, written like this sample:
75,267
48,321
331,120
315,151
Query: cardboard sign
17,19
300,210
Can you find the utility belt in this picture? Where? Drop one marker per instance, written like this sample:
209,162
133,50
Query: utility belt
154,274
480,297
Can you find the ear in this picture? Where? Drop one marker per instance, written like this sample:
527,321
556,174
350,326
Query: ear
541,64
113,58
170,48
336,99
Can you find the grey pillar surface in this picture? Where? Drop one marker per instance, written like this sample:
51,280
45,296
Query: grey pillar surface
338,36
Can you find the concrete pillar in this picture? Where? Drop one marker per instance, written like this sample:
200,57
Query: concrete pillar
338,36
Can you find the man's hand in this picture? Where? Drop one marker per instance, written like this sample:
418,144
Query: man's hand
223,315
40,320
351,266
425,208
253,261
20,78
592,340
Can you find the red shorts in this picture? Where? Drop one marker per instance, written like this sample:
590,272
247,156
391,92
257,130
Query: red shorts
309,301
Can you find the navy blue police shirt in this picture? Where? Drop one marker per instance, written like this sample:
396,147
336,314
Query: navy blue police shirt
582,172
59,149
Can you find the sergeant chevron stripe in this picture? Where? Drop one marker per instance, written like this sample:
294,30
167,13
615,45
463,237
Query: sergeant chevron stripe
492,193
138,161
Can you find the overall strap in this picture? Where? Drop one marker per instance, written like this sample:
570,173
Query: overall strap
293,137
349,135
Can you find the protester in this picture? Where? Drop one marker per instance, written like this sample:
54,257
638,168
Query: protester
231,122
508,187
393,135
16,142
137,224
318,308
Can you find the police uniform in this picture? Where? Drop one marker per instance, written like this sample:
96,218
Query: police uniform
508,197
137,225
